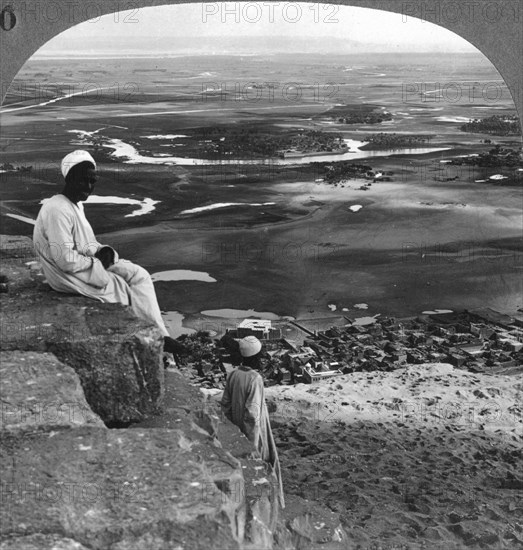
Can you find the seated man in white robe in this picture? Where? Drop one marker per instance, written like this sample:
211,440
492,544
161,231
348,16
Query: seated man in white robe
73,260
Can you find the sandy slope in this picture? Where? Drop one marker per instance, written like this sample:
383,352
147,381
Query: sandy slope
423,457
431,394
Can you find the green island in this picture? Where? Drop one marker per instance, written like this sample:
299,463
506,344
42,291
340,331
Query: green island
219,142
393,141
496,125
340,172
8,167
507,162
359,114
495,158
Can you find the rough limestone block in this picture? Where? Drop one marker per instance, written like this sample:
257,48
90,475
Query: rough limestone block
38,392
16,246
122,376
117,356
258,490
154,489
41,542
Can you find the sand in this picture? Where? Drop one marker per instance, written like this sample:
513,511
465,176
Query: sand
423,457
431,394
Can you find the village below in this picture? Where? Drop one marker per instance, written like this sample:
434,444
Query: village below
482,340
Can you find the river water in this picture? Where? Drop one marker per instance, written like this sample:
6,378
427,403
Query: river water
130,155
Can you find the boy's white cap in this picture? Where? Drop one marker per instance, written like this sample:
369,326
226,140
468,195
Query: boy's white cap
74,158
249,346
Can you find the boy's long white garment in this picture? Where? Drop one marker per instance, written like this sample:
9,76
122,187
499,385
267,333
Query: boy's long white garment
65,244
243,403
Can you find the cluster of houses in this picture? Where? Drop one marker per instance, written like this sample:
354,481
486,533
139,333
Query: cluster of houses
479,340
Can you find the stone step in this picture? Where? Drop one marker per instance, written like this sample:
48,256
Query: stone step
121,489
39,393
117,357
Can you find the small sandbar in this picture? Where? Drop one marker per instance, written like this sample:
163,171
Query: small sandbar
84,134
437,312
21,218
182,275
146,206
456,119
224,205
166,136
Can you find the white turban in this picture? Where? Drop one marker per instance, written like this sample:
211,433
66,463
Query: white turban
249,346
74,158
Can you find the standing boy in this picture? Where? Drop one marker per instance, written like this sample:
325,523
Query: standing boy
243,403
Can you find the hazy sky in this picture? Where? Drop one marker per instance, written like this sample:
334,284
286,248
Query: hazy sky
263,19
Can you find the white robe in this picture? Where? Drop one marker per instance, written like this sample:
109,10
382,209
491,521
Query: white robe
65,244
243,403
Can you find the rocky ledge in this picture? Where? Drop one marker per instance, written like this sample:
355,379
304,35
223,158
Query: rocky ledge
116,356
174,475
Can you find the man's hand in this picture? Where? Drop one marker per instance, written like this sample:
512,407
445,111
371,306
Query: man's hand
106,255
170,345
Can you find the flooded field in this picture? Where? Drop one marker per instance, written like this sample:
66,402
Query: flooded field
272,233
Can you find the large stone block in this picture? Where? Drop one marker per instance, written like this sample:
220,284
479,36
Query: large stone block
186,404
117,356
16,246
38,392
122,373
154,489
41,542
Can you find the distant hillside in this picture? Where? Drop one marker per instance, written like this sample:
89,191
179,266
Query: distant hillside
210,45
